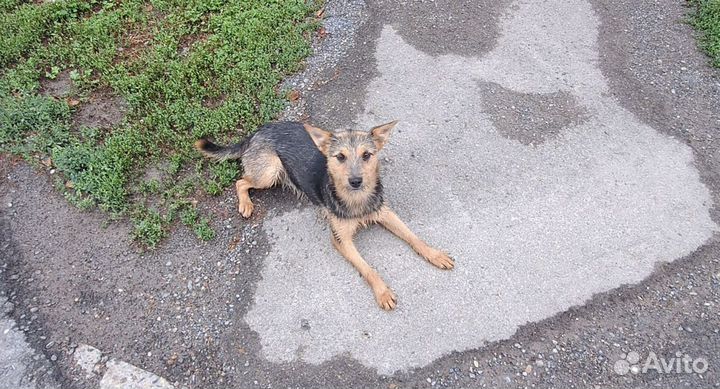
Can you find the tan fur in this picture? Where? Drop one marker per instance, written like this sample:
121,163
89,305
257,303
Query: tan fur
200,146
381,133
343,231
319,136
245,205
346,143
263,171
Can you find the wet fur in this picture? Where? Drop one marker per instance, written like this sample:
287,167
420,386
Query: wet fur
321,166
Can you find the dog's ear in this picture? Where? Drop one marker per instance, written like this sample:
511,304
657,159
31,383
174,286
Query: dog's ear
381,133
320,137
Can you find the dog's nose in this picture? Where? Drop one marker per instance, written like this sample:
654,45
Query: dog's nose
355,182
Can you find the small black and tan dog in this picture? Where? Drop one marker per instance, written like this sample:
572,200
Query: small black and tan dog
339,171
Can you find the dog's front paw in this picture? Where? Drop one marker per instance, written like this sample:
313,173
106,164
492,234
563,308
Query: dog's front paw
440,259
246,209
386,299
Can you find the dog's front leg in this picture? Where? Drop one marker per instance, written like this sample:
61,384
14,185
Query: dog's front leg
392,222
343,231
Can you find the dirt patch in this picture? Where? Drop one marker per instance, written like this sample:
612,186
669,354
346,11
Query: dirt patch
102,110
138,38
155,173
188,41
214,102
531,118
447,27
133,46
59,87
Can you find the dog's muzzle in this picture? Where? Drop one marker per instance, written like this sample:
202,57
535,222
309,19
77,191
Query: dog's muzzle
355,182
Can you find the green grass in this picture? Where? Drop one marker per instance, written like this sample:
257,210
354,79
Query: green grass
186,69
706,19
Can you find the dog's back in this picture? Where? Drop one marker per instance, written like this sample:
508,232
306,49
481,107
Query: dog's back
303,166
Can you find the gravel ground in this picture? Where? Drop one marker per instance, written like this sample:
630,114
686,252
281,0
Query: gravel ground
341,23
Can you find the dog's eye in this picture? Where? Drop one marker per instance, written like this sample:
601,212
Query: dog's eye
366,155
340,157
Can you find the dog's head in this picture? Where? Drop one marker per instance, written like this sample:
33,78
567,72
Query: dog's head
352,158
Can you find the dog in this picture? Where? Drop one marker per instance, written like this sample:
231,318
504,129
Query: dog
338,171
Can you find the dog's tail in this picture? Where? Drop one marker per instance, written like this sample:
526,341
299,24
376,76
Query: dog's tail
221,153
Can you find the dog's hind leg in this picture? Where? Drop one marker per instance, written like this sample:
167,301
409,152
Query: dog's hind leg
245,205
342,238
261,171
392,222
